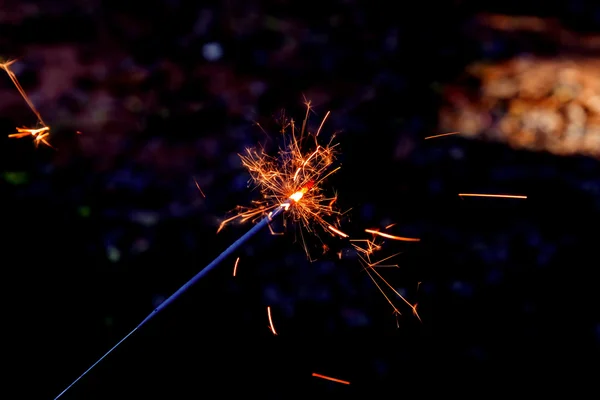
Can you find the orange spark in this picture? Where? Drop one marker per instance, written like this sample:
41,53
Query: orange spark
198,186
505,196
387,235
235,266
389,226
442,135
330,378
335,230
39,134
271,326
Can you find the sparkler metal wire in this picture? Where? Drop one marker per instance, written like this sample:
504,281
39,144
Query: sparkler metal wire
225,254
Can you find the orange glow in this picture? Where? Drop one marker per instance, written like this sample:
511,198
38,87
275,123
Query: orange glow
300,193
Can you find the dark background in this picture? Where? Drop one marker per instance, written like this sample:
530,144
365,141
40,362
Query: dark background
96,233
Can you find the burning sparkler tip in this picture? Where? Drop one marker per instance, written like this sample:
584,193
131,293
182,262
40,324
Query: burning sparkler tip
293,179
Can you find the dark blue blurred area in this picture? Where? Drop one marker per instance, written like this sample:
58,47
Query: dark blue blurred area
99,232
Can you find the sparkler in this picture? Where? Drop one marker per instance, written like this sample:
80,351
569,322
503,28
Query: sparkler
290,183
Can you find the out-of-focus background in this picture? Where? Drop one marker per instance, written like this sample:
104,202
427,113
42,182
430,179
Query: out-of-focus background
100,231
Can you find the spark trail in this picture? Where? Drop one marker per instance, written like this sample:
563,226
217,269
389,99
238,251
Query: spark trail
365,249
498,196
41,134
329,378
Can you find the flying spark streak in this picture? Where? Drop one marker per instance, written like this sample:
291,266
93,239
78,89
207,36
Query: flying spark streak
393,237
40,134
198,186
290,182
442,135
379,264
235,266
329,378
271,326
504,196
337,231
413,307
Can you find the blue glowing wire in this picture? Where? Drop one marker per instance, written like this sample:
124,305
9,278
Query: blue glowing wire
226,253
